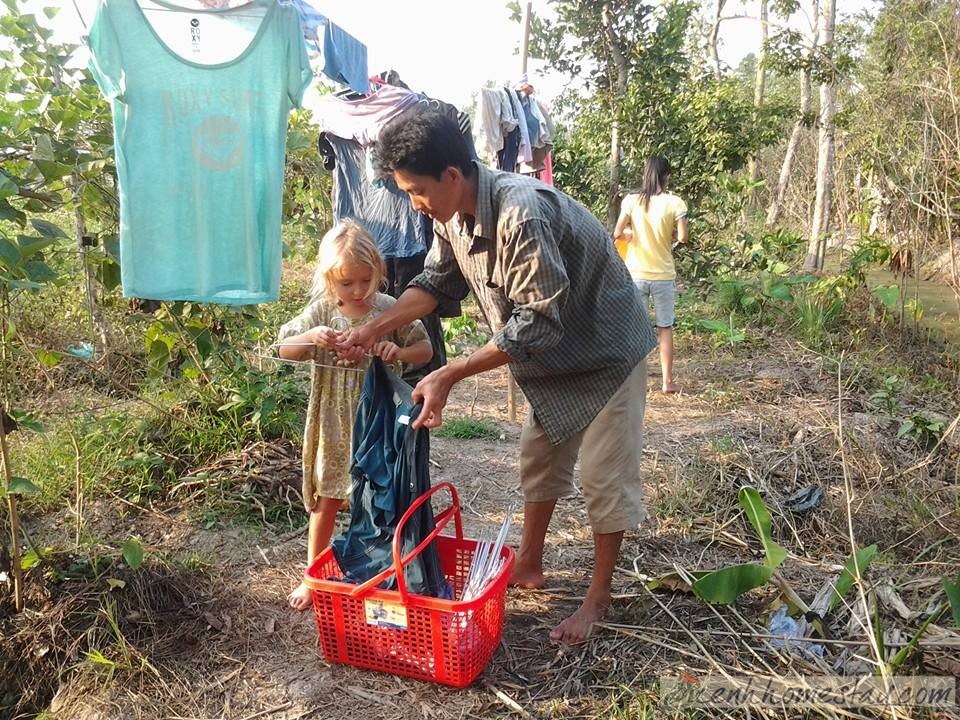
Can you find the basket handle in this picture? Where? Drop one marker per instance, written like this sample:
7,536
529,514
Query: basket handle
441,521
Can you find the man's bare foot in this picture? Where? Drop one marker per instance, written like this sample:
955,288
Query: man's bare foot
530,578
671,387
301,598
576,628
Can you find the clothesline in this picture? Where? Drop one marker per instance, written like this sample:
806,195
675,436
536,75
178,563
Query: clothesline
312,363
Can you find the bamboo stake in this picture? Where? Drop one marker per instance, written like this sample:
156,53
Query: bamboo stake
511,397
524,50
14,522
5,459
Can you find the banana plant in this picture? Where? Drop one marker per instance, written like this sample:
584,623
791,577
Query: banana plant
725,585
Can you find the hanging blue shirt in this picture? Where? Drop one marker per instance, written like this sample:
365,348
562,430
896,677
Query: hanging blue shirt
200,154
345,58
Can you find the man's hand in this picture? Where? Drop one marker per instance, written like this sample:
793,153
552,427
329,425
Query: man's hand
386,351
432,391
362,337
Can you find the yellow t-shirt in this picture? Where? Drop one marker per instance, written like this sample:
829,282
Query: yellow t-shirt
648,252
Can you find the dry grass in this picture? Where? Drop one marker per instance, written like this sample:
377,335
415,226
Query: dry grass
203,630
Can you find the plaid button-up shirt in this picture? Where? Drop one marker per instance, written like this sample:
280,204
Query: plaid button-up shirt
560,301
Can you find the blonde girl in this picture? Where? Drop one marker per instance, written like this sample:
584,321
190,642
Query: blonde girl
349,273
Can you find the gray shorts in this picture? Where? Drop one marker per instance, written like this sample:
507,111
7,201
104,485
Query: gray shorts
664,295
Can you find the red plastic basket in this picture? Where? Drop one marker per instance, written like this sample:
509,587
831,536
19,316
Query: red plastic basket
444,641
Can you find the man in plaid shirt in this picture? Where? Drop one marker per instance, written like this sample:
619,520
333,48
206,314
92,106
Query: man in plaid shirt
566,317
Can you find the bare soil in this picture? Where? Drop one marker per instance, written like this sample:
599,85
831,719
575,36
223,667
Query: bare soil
205,631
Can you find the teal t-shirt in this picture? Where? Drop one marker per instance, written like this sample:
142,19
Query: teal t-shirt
200,154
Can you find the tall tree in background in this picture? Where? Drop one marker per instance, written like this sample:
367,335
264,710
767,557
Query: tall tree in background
794,54
907,134
760,80
570,45
620,68
713,39
816,248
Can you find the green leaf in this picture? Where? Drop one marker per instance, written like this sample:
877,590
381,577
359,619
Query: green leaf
906,427
108,273
8,212
158,332
39,271
52,170
116,584
30,245
758,516
21,486
204,343
853,569
158,357
24,285
716,326
50,359
952,589
727,584
7,186
111,246
26,420
781,291
47,229
133,553
31,558
888,295
43,149
10,255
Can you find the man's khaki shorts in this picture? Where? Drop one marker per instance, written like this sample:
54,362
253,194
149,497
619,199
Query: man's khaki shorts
610,465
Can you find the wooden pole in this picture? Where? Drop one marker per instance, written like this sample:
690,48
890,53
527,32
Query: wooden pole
14,522
524,48
7,475
525,45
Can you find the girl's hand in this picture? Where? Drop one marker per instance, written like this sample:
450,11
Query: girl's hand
323,337
387,351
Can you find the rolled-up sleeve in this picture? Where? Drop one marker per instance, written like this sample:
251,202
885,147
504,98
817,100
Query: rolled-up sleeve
536,282
441,276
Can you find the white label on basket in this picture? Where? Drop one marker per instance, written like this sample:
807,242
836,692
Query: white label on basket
385,614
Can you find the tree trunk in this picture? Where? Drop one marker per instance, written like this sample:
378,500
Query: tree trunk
806,97
100,326
714,35
816,248
760,81
620,89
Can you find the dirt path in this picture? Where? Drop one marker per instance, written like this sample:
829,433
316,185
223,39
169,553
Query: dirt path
233,649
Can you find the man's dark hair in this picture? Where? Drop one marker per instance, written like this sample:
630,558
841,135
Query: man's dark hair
422,142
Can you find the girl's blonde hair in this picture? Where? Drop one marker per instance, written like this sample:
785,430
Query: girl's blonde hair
346,242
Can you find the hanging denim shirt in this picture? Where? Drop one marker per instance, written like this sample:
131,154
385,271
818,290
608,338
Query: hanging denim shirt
390,470
382,209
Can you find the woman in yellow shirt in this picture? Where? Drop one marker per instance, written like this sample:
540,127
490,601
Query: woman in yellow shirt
654,217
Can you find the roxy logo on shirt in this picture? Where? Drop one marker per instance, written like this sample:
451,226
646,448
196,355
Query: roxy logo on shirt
195,34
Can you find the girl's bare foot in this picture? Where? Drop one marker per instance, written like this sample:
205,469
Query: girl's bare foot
671,387
301,598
